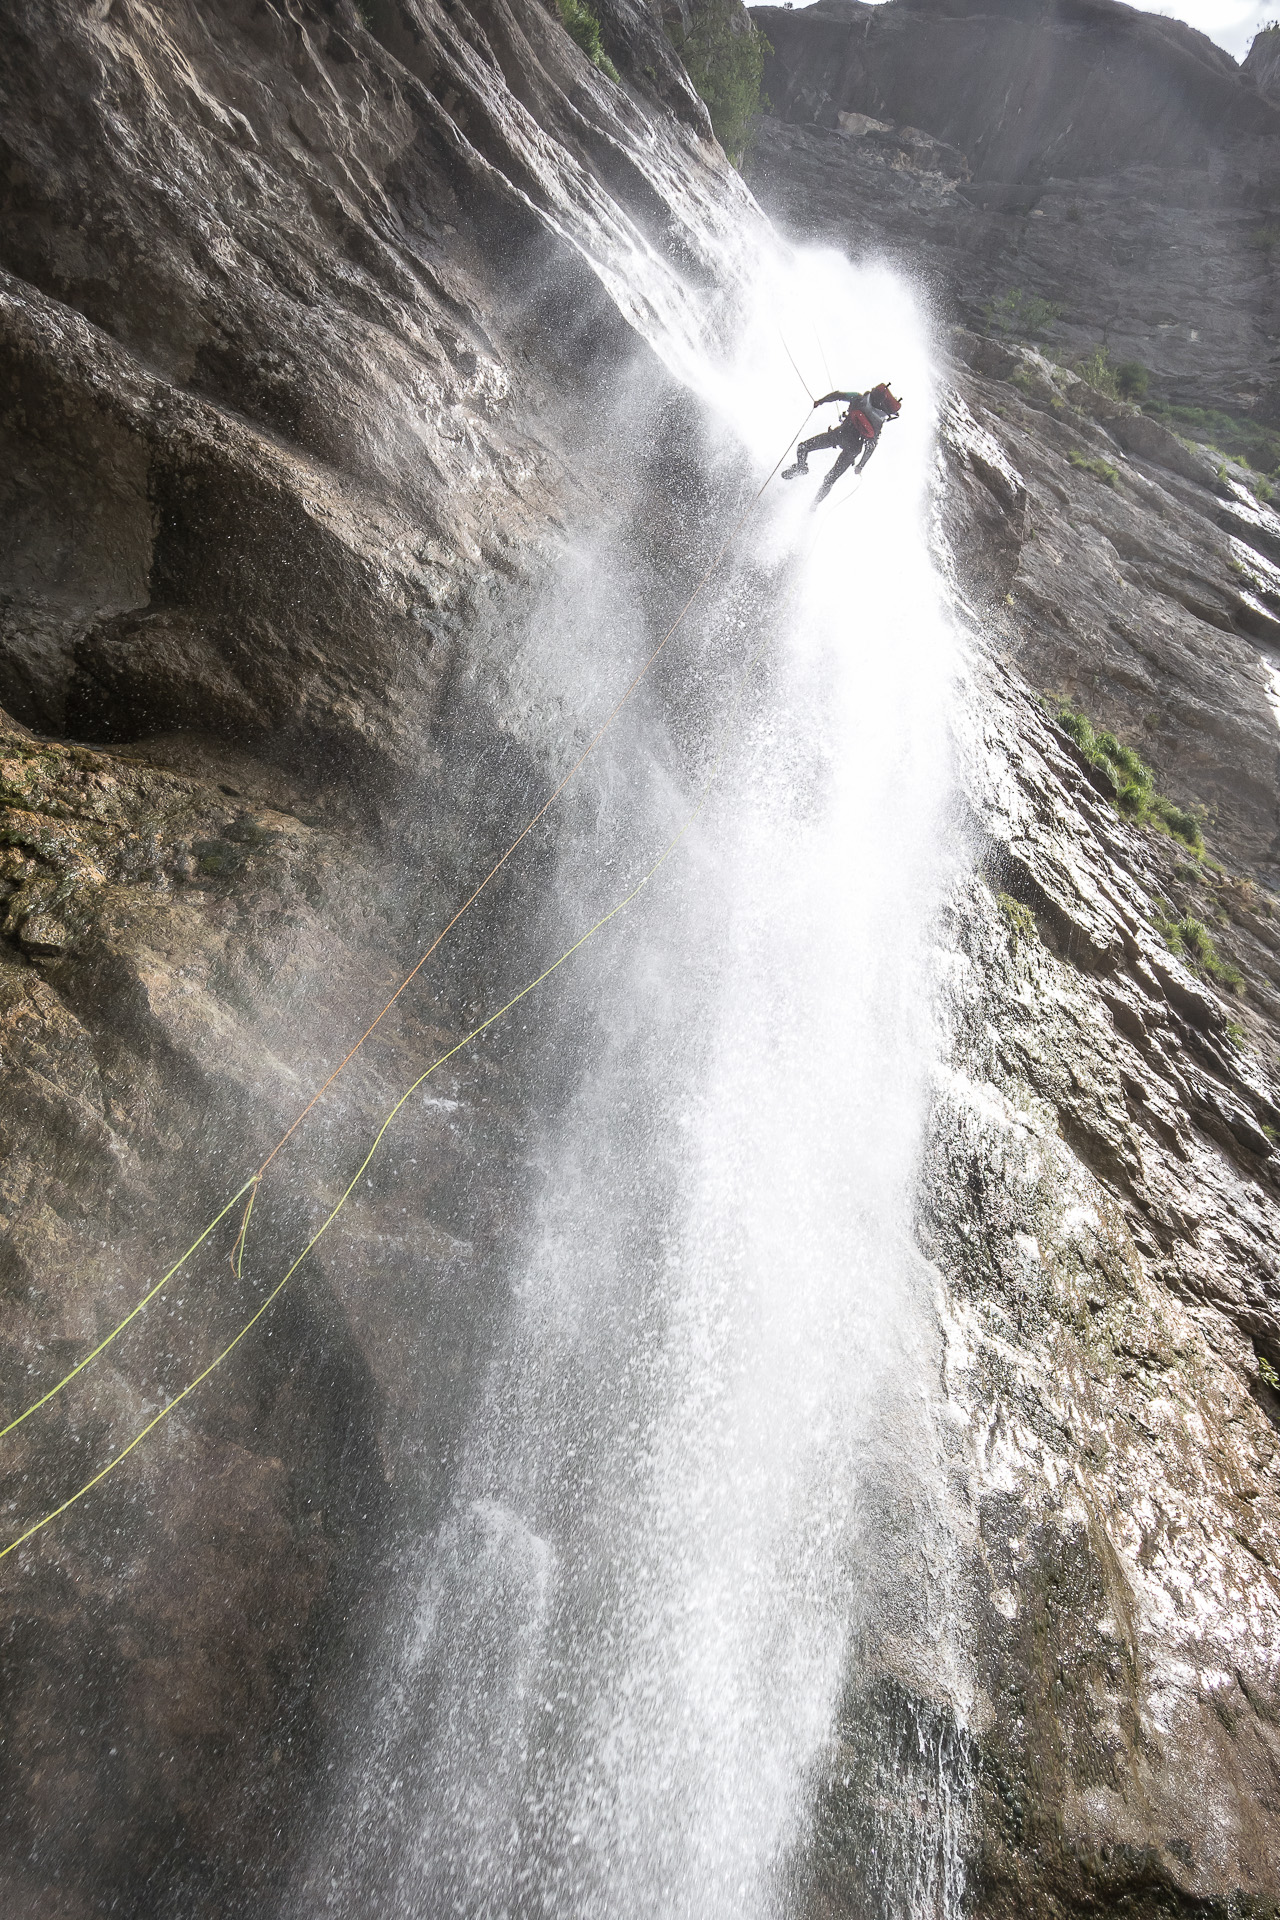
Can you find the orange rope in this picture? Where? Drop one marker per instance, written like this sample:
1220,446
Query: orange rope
252,1184
172,1405
532,822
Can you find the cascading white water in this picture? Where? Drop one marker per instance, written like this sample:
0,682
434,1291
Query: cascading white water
624,1649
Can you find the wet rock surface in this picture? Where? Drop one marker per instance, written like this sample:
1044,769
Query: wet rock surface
1104,1202
927,133
1102,1199
1262,64
304,313
1071,88
182,953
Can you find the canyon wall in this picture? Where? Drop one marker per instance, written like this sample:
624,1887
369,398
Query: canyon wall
320,327
1087,185
308,312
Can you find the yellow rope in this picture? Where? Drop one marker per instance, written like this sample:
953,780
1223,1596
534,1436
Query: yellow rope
251,1185
527,829
133,1313
237,1252
329,1219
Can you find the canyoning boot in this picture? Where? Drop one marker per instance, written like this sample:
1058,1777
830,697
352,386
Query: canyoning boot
789,473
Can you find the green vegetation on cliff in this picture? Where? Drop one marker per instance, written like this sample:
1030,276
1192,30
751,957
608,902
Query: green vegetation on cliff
724,55
1133,786
1024,315
1191,940
1249,441
1246,440
1122,379
1019,918
1100,469
583,27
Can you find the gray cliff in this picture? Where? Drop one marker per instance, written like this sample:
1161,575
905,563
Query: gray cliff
1103,1185
320,328
306,314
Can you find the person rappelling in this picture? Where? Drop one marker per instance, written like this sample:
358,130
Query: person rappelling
856,434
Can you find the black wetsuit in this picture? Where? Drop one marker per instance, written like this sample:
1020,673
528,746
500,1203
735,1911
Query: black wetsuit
855,445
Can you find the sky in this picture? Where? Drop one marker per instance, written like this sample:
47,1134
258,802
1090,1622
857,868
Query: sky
1232,23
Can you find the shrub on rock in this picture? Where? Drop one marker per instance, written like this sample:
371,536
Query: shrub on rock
583,27
724,56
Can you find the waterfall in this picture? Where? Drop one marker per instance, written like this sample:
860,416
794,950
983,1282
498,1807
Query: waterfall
698,1496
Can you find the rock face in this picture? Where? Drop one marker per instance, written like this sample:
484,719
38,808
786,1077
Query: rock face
1102,1195
1262,64
1064,88
304,314
310,318
1115,165
233,361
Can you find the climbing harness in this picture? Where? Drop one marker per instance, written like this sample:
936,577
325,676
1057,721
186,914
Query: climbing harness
250,1186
